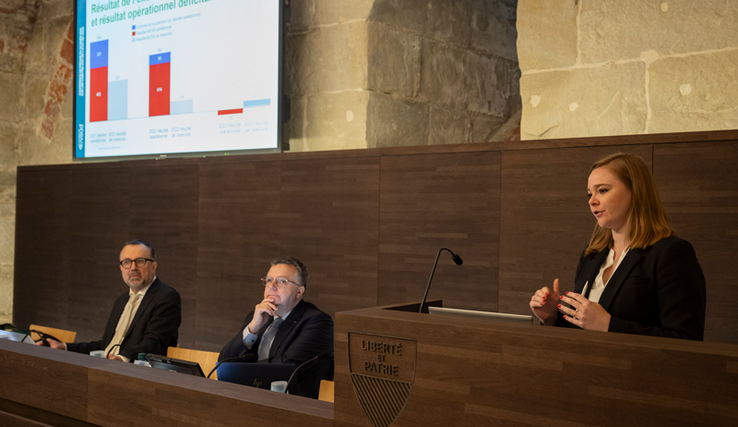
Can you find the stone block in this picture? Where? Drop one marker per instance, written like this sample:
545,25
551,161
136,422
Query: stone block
53,9
60,147
547,34
493,28
36,57
34,92
9,132
411,15
446,20
56,33
336,121
442,74
67,107
482,87
448,126
10,88
6,286
483,128
449,20
607,100
10,63
694,93
311,13
8,177
328,59
396,122
35,149
7,245
296,124
394,61
32,147
508,78
7,200
622,29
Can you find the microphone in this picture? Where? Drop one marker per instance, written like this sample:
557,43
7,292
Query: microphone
457,259
128,354
43,336
241,357
320,356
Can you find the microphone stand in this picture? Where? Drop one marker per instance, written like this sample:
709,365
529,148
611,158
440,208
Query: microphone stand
457,260
320,356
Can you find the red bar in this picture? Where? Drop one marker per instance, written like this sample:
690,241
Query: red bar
99,94
159,83
234,111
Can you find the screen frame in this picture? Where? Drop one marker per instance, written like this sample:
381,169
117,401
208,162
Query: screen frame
175,365
282,104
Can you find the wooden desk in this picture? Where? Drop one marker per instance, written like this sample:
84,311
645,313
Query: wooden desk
453,371
480,372
56,387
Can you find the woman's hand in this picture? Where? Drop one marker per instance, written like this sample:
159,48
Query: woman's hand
585,313
543,304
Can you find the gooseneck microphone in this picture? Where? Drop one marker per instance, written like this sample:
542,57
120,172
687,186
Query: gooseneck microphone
457,259
320,356
43,336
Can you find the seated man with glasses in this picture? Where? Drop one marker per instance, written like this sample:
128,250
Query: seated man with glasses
283,328
145,319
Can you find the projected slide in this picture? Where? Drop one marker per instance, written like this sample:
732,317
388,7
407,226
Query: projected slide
176,77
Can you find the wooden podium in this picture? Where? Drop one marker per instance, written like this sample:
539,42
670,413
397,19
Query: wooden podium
397,367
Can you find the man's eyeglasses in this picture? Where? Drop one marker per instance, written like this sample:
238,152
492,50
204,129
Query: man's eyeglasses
140,262
281,282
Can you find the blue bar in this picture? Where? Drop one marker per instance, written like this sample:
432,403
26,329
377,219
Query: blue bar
257,103
160,58
118,100
180,107
99,54
80,80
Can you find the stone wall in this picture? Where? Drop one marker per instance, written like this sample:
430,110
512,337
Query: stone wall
380,73
36,66
620,67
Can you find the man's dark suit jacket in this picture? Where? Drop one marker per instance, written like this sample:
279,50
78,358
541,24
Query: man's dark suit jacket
153,328
659,290
305,333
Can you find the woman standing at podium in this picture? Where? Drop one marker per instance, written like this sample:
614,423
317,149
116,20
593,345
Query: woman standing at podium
636,276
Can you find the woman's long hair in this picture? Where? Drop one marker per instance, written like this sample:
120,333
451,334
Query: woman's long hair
646,216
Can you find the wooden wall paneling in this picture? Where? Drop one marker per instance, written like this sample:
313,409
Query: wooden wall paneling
546,222
699,187
164,212
98,228
430,201
238,237
329,212
41,273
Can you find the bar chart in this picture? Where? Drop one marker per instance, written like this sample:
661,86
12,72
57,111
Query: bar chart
162,84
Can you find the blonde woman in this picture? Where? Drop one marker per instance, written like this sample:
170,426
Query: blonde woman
636,276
